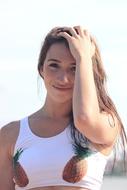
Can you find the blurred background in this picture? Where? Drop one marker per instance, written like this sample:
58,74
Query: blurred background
24,24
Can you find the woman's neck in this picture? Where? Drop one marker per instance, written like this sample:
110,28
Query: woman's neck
57,110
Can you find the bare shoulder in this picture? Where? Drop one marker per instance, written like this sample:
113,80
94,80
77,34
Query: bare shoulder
10,130
8,135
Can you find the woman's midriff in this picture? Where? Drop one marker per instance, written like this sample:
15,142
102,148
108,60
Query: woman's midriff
59,188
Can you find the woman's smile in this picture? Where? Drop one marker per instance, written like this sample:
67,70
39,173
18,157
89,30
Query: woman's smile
62,88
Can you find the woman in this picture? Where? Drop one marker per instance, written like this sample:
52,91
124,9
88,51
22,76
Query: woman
65,145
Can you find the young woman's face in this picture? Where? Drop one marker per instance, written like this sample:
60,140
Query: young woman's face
58,72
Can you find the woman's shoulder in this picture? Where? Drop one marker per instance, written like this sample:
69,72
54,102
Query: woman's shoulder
9,129
9,134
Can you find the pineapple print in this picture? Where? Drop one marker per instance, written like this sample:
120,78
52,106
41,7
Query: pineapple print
76,167
20,177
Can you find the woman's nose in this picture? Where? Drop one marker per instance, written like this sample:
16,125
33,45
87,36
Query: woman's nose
63,77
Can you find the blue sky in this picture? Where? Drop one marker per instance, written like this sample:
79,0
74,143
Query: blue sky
23,25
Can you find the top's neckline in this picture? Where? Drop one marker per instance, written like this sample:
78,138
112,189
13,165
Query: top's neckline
45,138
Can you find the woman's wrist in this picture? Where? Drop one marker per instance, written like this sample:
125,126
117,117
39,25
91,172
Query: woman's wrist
82,59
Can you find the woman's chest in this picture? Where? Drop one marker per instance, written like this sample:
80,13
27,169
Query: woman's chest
43,160
46,159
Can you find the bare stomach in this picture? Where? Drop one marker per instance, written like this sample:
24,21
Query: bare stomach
59,188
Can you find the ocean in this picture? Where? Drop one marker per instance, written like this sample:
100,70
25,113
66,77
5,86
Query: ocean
114,183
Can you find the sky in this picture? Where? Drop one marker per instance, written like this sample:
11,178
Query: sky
23,26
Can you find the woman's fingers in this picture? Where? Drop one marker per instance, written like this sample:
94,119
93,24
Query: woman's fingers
69,30
64,34
79,30
78,38
75,31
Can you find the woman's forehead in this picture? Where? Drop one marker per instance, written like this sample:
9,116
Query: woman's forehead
60,52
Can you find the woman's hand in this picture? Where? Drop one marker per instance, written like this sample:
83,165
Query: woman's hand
79,41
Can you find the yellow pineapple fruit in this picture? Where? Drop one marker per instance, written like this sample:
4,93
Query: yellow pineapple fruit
20,177
76,167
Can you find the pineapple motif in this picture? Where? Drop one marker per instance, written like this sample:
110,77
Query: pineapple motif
76,167
20,177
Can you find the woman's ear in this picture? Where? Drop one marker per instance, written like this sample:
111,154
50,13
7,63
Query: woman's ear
41,72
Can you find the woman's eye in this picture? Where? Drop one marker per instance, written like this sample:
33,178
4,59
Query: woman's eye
54,65
73,69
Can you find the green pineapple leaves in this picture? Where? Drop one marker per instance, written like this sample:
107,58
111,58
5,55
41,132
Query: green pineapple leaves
82,152
17,155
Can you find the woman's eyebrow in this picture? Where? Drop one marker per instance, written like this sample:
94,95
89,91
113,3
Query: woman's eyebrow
56,60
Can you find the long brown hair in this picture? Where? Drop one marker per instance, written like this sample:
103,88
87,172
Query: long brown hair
105,102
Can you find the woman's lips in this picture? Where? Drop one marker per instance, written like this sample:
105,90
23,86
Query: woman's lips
62,88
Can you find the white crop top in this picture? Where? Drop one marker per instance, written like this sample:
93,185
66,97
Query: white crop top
44,159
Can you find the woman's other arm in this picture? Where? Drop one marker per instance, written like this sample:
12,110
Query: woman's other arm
6,159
